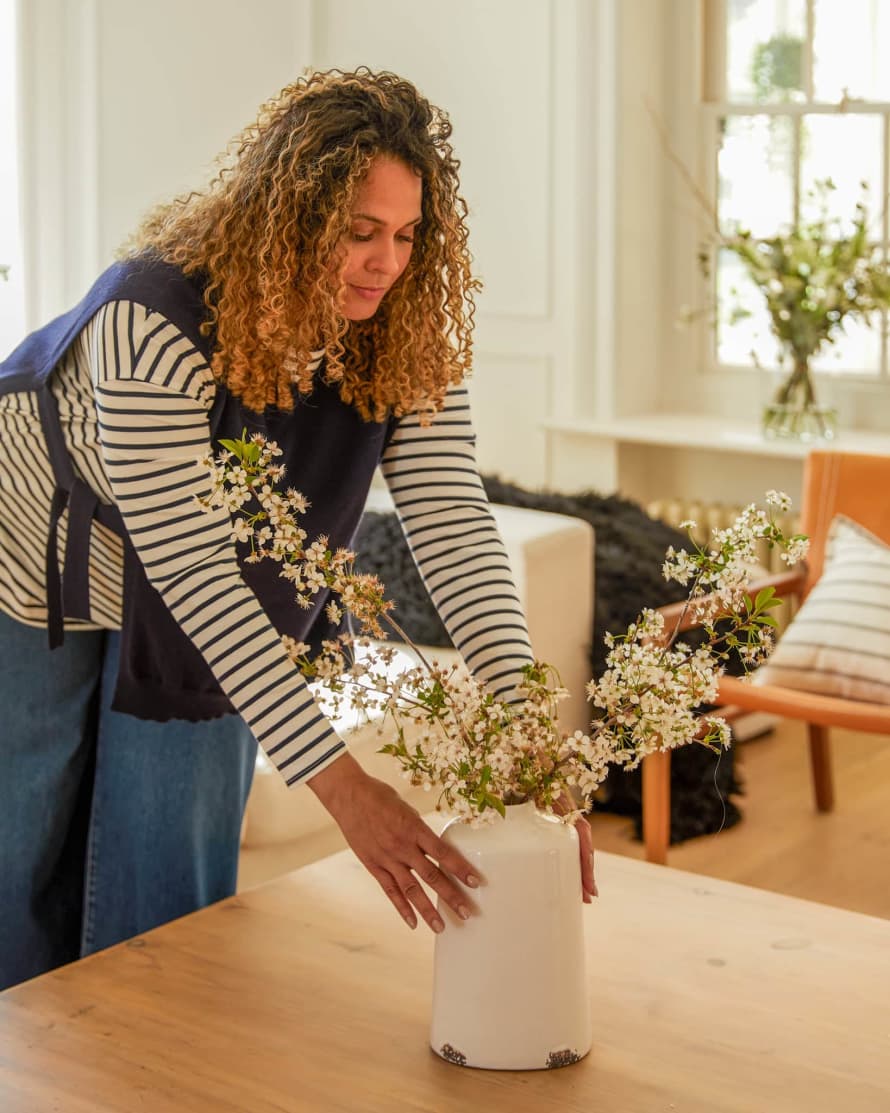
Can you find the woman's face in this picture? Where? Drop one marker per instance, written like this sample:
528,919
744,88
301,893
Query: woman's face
384,216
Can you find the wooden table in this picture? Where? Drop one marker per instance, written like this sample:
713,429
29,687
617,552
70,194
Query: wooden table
308,994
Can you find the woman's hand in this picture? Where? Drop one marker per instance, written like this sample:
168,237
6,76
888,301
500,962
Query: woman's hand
393,843
585,845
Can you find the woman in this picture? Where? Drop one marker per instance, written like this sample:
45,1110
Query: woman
318,291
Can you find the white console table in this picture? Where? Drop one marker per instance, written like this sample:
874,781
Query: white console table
652,456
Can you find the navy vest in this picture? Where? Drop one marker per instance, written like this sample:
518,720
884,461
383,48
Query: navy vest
329,453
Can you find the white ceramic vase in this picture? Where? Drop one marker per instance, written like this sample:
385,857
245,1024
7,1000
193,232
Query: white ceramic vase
510,990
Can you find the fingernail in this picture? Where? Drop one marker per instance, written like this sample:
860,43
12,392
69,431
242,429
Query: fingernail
437,926
463,912
410,921
472,881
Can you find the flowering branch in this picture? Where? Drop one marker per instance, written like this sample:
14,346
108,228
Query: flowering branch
243,476
653,683
480,753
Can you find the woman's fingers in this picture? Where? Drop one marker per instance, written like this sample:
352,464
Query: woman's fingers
449,858
438,875
410,866
404,884
585,847
399,901
403,854
415,893
395,845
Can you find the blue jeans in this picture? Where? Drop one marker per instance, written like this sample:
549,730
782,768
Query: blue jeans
109,825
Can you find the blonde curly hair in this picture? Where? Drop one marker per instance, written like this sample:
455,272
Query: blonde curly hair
265,238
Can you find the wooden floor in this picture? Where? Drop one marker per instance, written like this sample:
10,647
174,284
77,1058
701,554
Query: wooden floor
782,843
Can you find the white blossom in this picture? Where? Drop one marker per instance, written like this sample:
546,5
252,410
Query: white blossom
778,499
241,530
476,752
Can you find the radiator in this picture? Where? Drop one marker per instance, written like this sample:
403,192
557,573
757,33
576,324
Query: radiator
717,515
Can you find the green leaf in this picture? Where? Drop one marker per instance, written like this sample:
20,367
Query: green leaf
495,802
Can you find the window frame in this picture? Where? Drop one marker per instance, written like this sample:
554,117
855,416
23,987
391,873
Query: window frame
855,391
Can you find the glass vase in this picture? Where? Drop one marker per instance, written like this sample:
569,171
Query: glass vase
510,990
793,412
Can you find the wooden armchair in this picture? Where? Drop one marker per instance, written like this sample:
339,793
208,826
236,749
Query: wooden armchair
833,483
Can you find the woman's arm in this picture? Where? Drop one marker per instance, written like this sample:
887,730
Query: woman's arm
153,393
432,476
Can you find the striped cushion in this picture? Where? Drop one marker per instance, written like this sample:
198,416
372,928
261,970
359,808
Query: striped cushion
839,642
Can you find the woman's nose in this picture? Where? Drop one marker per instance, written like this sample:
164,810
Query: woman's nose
385,259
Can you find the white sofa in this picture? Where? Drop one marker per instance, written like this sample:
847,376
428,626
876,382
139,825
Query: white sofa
552,560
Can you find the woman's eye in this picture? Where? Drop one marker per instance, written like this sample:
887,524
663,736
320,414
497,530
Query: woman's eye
362,239
405,239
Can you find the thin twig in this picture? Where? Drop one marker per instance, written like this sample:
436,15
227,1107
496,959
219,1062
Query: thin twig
385,689
682,169
397,629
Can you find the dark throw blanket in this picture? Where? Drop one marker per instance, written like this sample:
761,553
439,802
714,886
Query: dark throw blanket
630,548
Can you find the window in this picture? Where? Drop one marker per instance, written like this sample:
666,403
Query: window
12,290
795,92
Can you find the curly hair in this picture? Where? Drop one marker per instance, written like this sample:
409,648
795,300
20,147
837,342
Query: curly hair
265,237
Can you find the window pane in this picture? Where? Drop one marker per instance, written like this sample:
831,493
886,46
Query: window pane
849,150
12,291
857,349
851,49
755,171
764,50
739,341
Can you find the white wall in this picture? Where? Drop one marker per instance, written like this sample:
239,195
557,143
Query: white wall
492,65
580,226
126,103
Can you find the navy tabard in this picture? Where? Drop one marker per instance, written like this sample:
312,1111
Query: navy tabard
329,453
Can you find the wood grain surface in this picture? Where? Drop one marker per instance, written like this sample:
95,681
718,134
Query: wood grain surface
309,994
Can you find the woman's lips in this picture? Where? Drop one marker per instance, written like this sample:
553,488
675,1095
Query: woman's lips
369,293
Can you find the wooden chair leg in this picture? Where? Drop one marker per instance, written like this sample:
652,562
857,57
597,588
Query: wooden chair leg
820,760
657,806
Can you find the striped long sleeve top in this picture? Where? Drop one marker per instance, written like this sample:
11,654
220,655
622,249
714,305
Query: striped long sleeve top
134,396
